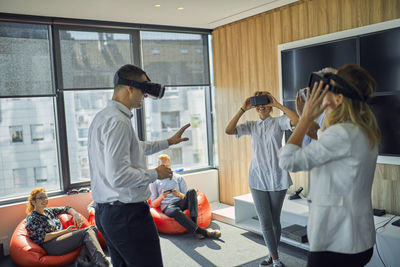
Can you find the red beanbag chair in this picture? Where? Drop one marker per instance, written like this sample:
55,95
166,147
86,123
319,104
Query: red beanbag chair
24,252
168,225
100,237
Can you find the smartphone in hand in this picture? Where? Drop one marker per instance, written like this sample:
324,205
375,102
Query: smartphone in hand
168,191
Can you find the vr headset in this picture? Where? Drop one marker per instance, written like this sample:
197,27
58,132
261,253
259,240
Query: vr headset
154,90
259,100
341,86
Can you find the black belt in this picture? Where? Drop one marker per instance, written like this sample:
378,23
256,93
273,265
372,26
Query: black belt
119,203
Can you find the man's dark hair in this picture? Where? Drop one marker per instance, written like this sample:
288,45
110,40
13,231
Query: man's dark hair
130,72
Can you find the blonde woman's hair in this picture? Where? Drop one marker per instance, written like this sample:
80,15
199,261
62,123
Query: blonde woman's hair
356,111
163,157
32,196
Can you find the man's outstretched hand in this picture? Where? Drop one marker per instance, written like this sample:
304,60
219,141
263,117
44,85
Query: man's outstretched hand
177,137
163,172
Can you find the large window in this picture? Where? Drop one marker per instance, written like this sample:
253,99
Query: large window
26,122
167,115
175,58
25,67
81,107
181,62
89,60
29,122
55,77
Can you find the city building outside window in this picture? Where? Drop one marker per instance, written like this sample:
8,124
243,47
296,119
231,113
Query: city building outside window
170,120
27,155
167,115
81,107
182,66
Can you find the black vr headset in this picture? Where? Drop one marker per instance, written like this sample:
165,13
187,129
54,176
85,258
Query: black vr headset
341,86
259,100
154,90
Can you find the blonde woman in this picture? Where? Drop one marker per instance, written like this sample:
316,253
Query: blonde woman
342,164
267,181
45,229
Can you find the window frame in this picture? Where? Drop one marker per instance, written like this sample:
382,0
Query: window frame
19,128
55,25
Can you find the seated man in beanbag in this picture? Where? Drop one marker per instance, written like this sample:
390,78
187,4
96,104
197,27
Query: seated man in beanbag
172,196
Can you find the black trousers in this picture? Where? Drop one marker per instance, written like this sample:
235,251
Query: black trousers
334,259
175,210
130,233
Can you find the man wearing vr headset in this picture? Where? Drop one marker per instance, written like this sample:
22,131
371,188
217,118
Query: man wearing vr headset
119,177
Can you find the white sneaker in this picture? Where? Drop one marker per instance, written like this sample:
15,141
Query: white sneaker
266,262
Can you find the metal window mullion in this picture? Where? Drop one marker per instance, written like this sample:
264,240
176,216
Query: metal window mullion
137,60
55,104
209,123
61,121
208,101
206,57
86,89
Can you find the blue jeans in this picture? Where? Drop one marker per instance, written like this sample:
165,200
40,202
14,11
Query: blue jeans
269,206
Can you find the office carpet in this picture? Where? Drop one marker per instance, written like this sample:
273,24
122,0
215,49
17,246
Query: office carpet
236,247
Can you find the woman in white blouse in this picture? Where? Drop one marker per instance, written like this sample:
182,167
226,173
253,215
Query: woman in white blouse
267,181
342,164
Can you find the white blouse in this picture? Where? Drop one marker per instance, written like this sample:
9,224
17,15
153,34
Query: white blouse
342,167
266,140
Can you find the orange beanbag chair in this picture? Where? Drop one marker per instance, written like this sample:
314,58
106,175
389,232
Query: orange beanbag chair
100,237
25,252
168,225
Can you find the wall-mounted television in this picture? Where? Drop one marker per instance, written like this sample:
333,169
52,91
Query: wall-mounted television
376,48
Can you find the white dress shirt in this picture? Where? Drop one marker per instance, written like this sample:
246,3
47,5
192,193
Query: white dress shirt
342,167
117,157
266,140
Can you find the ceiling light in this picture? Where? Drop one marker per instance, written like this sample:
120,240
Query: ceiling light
180,8
157,5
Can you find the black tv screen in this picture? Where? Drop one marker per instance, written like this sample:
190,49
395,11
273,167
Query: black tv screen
380,56
387,112
378,53
297,64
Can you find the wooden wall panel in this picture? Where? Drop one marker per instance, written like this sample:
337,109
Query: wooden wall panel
246,60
